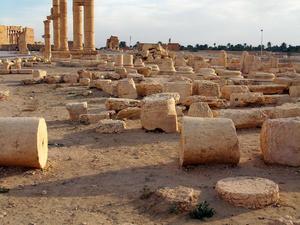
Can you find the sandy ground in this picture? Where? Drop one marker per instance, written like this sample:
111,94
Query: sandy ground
98,179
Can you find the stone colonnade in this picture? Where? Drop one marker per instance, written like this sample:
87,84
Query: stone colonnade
83,27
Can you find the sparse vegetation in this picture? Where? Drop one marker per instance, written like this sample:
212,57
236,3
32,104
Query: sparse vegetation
202,211
3,190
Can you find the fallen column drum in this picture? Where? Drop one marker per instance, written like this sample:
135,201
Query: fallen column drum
208,141
24,142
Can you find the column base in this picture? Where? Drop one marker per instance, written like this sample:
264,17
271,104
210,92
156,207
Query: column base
61,55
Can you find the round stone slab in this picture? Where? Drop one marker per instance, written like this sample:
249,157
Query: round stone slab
248,192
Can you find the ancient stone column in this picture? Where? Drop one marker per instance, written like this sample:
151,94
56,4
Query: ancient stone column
56,24
89,25
47,39
77,25
63,25
24,142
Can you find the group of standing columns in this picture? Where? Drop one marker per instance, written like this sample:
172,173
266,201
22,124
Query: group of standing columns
83,26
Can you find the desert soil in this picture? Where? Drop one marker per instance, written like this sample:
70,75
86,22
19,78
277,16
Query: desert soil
98,179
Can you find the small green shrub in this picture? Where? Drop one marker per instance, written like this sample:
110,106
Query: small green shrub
3,190
202,211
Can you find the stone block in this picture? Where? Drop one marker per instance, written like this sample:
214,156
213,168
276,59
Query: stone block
200,109
110,126
227,90
126,89
159,113
280,141
76,109
208,141
119,104
207,88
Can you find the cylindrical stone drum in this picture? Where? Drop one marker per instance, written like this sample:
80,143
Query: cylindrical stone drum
24,142
208,141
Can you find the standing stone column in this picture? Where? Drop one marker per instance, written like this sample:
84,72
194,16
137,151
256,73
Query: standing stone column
56,24
64,25
89,25
47,38
77,25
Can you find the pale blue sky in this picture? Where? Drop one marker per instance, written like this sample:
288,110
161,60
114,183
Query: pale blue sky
185,21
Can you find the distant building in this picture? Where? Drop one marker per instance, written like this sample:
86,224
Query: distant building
9,35
113,43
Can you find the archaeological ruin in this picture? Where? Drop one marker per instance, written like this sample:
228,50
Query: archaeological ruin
150,134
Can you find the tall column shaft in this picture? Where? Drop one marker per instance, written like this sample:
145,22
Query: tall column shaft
56,24
47,38
89,25
63,25
77,25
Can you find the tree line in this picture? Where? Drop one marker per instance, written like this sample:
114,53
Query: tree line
244,47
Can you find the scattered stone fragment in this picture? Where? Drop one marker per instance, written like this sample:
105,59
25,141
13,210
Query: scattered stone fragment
173,200
200,109
248,192
228,90
118,104
295,91
39,74
4,95
127,89
94,118
76,109
110,126
159,113
130,113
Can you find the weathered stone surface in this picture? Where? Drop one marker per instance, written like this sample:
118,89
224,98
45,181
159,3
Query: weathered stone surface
229,73
94,118
180,110
85,81
127,89
71,78
280,141
295,91
118,104
159,113
146,71
166,95
185,89
246,99
248,192
284,111
136,77
200,109
227,90
131,113
110,126
53,79
213,102
180,199
268,89
4,95
39,74
76,109
108,86
243,118
85,74
206,88
149,88
208,141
